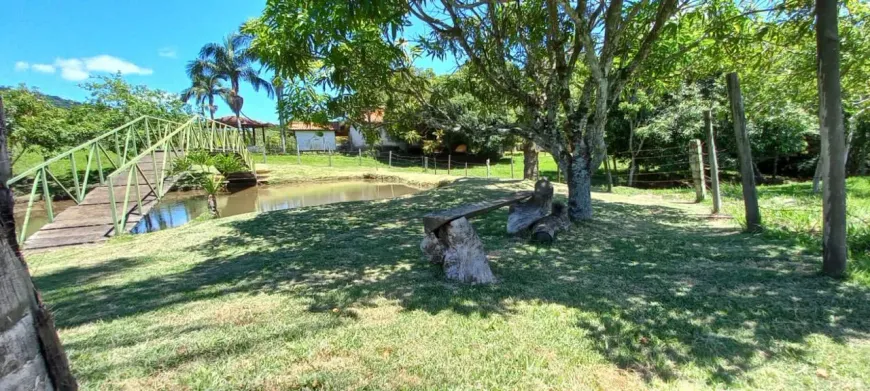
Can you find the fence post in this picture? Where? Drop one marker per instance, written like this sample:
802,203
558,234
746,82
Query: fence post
714,162
750,195
391,158
696,162
435,164
298,155
359,155
538,166
466,169
487,168
425,164
448,164
512,166
329,152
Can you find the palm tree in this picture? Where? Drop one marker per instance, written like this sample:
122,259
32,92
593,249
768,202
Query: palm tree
203,90
232,61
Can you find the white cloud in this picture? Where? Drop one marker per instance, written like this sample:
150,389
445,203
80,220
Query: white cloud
76,69
106,63
43,68
72,69
21,66
168,52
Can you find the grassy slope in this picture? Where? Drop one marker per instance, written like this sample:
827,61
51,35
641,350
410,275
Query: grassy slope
650,294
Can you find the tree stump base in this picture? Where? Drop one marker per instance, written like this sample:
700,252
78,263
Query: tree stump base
458,249
524,214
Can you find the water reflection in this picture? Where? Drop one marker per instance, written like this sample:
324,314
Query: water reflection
180,207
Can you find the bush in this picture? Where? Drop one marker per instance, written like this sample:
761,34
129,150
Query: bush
227,164
200,158
180,165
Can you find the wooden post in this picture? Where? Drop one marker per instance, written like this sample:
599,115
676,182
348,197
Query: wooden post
448,164
696,162
750,195
487,168
391,158
606,169
329,152
298,154
425,164
512,166
359,155
466,168
713,161
435,164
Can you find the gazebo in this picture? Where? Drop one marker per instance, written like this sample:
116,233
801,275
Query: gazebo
247,123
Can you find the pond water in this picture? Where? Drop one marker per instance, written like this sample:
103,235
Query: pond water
178,208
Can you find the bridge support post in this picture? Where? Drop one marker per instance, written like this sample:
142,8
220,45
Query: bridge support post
112,206
75,175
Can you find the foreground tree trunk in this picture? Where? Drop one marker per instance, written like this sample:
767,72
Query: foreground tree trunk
458,249
31,357
834,251
530,160
579,187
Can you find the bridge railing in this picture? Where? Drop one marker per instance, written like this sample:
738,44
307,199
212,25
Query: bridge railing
197,133
118,152
110,149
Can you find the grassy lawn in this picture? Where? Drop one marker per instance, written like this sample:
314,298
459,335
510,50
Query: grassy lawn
651,294
791,211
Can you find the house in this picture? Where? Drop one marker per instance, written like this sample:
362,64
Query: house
375,118
315,137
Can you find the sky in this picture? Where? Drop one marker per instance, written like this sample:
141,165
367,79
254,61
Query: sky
55,45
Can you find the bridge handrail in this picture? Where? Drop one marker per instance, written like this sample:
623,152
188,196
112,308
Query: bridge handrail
190,134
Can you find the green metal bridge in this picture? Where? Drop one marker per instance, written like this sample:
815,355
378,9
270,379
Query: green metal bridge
117,189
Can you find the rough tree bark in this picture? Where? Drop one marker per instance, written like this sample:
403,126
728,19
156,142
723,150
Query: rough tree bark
545,229
530,160
834,251
31,357
212,205
458,249
523,214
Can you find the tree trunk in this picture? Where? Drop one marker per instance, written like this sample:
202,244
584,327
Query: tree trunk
32,357
609,175
579,178
834,250
530,160
775,164
545,229
212,206
280,95
817,177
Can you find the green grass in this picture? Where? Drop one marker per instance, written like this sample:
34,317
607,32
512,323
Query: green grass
792,211
650,294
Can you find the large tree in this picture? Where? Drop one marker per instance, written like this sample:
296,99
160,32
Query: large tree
203,89
562,63
230,60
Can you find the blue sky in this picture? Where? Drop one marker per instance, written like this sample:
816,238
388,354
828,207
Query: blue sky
55,45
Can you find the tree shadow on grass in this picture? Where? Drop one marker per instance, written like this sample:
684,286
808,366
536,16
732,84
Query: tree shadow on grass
655,289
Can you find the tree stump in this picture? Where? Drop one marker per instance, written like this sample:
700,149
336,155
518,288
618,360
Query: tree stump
545,230
524,214
459,250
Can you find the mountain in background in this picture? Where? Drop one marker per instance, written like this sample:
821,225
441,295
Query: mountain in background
53,99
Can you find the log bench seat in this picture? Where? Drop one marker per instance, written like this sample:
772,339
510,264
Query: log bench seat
451,241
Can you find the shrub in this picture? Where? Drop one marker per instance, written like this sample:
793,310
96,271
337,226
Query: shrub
200,158
180,165
226,164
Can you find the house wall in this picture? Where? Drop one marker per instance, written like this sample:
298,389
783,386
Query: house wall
358,141
308,140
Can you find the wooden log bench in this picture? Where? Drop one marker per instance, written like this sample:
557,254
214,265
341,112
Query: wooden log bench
451,241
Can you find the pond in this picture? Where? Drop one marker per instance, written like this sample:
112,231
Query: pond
178,208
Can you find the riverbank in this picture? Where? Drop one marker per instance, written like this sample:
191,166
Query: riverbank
650,294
